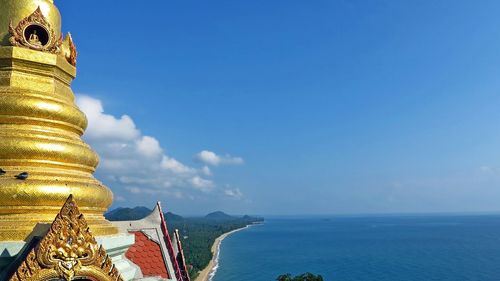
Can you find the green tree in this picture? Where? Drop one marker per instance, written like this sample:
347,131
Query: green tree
285,277
304,277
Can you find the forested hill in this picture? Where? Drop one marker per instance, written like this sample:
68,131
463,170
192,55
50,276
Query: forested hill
221,216
128,214
199,233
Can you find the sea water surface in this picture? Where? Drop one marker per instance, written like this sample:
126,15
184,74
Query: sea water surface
392,248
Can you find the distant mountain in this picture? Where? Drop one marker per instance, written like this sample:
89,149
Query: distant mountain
137,213
170,217
219,216
127,214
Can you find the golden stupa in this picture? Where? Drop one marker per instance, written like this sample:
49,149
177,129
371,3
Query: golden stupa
40,125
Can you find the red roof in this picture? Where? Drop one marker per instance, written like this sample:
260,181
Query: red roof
148,256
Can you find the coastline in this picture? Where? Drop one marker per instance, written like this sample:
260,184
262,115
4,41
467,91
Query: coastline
208,273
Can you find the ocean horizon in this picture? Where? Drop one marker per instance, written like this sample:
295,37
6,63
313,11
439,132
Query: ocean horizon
405,247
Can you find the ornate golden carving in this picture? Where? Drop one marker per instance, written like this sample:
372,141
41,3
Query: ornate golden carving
69,49
68,251
21,38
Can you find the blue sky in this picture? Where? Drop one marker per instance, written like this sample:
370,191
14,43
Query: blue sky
306,107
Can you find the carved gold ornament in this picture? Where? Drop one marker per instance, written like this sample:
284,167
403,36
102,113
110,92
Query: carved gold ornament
34,32
69,49
68,251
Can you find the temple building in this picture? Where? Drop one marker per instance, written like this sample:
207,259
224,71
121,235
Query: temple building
52,225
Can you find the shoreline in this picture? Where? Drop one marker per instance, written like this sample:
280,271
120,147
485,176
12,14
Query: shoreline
208,273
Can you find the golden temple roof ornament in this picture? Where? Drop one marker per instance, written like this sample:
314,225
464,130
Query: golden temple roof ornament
68,251
34,32
69,49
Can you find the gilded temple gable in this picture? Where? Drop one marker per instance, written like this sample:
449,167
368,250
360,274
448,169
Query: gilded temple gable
68,252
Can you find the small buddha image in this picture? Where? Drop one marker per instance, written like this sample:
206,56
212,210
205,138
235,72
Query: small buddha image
34,40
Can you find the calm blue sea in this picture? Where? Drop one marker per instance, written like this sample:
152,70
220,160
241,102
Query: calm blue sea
406,248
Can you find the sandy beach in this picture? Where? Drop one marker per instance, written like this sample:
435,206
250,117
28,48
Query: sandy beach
211,269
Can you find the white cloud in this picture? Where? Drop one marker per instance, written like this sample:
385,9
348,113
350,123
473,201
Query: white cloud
489,169
149,146
206,171
103,125
170,164
234,193
134,190
134,161
211,158
202,184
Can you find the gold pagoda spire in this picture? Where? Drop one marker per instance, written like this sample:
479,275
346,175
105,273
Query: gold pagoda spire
40,125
